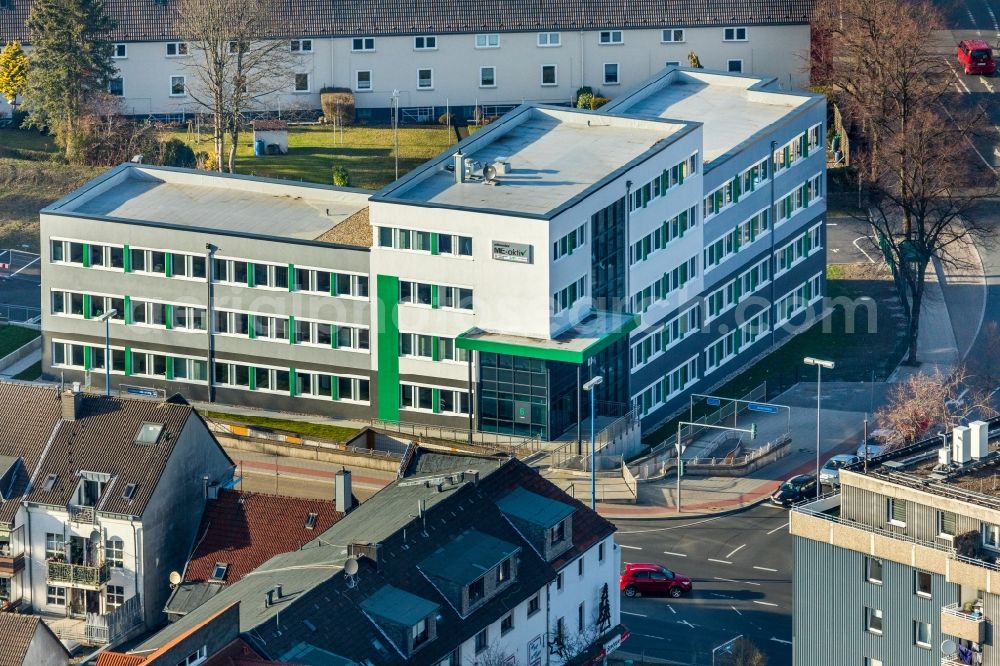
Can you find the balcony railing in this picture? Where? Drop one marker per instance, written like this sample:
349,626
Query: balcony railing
79,574
11,564
969,625
82,514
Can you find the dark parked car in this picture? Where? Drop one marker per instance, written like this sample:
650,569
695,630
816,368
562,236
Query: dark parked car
795,489
652,579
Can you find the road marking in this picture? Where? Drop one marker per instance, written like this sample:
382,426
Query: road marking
685,622
777,528
990,166
736,550
957,77
862,250
659,638
712,559
737,610
831,224
671,609
675,527
621,545
636,614
719,596
726,580
667,552
987,84
767,569
764,603
778,640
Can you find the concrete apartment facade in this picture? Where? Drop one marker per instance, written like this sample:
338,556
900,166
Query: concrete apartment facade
899,566
654,243
457,55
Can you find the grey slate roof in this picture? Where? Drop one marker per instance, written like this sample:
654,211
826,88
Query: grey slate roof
535,508
467,557
398,605
147,20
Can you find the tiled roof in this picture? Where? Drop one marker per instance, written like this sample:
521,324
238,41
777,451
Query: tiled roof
244,530
16,632
28,414
148,20
119,659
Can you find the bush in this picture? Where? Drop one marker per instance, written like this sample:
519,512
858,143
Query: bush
341,177
694,60
598,102
210,163
583,100
178,154
446,119
585,90
338,105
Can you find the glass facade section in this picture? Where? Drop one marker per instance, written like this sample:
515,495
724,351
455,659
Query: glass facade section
513,395
609,258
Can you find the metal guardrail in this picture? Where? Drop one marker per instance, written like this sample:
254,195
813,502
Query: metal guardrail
512,444
955,609
78,574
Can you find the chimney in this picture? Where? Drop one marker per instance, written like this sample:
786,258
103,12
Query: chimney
71,403
960,445
459,167
421,507
204,487
980,432
277,593
268,598
342,491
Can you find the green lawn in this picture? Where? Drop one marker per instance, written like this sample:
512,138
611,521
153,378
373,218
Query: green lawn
313,151
302,428
14,337
32,373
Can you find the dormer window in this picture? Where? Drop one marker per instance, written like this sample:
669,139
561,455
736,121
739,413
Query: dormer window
477,590
558,533
90,488
219,571
421,634
503,572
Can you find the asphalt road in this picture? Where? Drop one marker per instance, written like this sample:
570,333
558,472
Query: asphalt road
847,241
741,569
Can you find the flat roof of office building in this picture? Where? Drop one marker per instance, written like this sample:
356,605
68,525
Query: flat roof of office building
733,108
212,201
555,156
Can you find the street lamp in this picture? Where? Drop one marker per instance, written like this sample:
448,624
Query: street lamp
395,127
106,318
820,364
589,388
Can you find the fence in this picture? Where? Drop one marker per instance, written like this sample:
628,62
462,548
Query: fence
658,467
22,314
110,628
621,438
249,433
19,263
512,444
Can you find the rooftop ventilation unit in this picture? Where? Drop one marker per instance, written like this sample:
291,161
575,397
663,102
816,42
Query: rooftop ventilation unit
960,445
944,456
980,439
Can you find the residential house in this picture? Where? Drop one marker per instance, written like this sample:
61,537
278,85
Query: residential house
27,641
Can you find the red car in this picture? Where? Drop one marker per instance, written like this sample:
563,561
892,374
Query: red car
652,579
976,57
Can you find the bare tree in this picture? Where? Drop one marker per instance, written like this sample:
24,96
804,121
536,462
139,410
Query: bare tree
493,655
234,62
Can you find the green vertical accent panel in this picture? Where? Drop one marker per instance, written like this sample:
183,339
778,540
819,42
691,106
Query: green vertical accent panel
250,267
87,358
169,315
292,383
86,305
127,256
434,296
170,368
86,255
128,309
253,378
435,350
333,284
436,400
169,258
680,176
291,329
250,331
387,298
334,334
128,361
335,388
291,277
434,242
663,181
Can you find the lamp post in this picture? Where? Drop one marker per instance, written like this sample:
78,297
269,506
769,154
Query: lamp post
590,387
106,318
395,128
820,364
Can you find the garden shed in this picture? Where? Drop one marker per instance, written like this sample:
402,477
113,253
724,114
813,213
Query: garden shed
270,137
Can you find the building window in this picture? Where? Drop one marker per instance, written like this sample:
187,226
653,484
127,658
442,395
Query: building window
610,37
600,552
546,39
363,44
579,567
611,74
425,42
534,605
114,552
734,66
363,80
425,79
873,570
580,623
116,86
195,658
734,35
177,49
114,597
872,661
487,77
946,524
560,632
507,624
558,533
503,572
922,634
922,583
301,46
420,633
488,41
896,511
482,640
672,35
301,83
55,596
477,590
559,581
991,536
120,51
55,546
672,63
549,75
873,620
178,86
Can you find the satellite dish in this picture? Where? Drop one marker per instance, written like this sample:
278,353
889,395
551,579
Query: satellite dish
351,566
175,578
948,647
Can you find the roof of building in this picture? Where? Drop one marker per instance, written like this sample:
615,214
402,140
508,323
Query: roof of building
237,653
207,201
733,108
466,557
16,633
144,20
28,415
109,658
555,156
534,508
319,606
354,230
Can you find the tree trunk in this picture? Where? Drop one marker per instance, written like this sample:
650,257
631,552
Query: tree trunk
234,136
916,300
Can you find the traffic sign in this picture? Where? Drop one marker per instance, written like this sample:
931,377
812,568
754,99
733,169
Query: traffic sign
766,409
713,401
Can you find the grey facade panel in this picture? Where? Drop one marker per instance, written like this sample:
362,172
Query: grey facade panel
871,508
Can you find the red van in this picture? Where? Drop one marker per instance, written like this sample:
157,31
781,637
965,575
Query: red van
976,57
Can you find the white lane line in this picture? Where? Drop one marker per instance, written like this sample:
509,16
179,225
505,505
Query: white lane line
862,251
674,527
659,638
621,545
726,580
778,640
671,609
766,569
635,614
667,552
686,622
764,603
967,138
712,559
719,596
735,550
958,78
987,84
831,224
780,527
737,610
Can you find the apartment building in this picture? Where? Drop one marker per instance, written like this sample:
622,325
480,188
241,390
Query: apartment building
462,55
899,566
662,244
479,559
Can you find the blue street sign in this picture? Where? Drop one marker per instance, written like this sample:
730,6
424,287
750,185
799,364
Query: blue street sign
137,390
713,401
766,409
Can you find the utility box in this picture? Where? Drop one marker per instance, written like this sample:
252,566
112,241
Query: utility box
980,432
961,448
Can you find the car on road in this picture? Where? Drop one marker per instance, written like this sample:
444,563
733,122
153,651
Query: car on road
795,489
879,441
829,475
976,57
650,579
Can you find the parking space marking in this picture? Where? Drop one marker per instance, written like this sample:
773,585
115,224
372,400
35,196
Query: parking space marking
764,603
862,250
671,609
621,545
667,552
685,622
766,569
780,527
712,559
737,610
735,550
659,638
635,614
